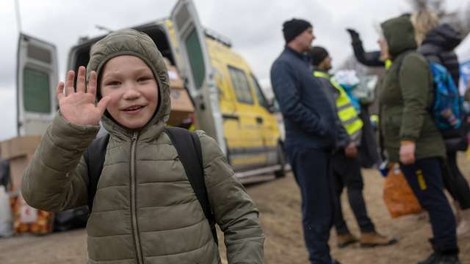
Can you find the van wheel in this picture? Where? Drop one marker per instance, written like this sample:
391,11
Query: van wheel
281,160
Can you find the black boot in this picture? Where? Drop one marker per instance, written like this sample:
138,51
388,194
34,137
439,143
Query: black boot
438,258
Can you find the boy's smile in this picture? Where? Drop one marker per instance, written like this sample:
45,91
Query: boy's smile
133,89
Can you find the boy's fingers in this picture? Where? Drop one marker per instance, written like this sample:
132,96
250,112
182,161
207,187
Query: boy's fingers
60,90
69,83
81,79
91,88
103,103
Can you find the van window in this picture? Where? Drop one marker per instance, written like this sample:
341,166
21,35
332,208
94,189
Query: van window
241,85
196,60
36,92
259,93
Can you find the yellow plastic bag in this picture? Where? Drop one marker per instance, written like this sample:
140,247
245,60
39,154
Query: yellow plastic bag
398,196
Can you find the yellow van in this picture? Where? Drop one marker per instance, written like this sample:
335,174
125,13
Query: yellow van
213,89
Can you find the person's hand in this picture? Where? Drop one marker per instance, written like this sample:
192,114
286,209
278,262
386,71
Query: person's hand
78,106
354,35
407,152
350,150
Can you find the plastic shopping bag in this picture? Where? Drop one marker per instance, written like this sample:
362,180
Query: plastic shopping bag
398,196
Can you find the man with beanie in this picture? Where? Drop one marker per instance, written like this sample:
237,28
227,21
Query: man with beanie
346,167
311,131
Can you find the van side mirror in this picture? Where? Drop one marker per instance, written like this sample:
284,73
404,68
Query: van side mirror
272,105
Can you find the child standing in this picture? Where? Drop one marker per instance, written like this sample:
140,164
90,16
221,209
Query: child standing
144,210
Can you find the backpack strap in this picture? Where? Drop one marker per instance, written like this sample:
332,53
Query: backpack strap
95,153
188,146
189,150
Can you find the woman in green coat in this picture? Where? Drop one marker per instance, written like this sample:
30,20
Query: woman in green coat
410,135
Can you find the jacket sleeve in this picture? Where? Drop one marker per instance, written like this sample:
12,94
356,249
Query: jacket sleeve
285,87
56,178
371,59
343,138
234,210
415,85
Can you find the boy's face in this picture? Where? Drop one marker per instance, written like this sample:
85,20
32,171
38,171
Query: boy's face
133,90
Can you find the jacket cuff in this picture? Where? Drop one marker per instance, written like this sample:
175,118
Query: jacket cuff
63,132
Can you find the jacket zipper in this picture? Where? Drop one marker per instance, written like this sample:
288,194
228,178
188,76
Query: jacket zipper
133,201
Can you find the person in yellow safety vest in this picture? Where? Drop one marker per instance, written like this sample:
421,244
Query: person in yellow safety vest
346,112
345,163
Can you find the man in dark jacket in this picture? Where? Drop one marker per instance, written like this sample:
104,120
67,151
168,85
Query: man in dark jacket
411,136
311,132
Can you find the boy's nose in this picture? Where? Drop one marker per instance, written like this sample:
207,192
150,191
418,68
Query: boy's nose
131,91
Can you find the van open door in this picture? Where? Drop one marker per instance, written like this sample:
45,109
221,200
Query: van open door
197,70
36,80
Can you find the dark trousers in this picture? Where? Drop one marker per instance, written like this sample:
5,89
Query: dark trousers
311,169
455,183
347,173
424,178
369,155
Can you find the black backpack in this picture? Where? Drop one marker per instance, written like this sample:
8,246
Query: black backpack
187,145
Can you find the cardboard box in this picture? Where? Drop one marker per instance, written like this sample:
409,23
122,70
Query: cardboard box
17,167
19,151
181,106
180,100
175,79
19,146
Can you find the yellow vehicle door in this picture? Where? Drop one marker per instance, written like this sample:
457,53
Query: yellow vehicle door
249,151
267,123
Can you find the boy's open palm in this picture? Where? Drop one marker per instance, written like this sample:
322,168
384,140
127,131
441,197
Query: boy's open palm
78,105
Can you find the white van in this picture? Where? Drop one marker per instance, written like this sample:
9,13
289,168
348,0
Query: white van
217,91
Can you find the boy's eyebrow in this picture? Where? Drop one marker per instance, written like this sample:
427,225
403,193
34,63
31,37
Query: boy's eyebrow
137,71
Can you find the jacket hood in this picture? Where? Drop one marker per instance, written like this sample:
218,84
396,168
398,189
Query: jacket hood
444,36
399,34
133,43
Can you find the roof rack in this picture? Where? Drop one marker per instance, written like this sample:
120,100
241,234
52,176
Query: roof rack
218,37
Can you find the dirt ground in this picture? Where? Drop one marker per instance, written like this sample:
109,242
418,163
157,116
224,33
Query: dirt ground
279,204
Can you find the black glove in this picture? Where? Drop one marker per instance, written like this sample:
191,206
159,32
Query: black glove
354,35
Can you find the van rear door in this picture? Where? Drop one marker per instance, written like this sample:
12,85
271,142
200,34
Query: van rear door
36,80
197,70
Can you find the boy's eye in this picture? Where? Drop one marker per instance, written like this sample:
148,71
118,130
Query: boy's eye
112,83
144,78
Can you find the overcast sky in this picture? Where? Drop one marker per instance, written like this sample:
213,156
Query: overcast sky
254,26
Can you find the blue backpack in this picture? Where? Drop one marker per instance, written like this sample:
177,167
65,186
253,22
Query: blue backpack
447,105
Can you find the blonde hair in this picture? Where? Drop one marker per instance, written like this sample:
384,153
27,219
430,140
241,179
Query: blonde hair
423,22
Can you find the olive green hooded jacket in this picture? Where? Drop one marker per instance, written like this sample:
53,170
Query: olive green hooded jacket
144,210
406,95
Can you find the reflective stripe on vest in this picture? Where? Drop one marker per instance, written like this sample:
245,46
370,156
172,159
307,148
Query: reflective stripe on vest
346,111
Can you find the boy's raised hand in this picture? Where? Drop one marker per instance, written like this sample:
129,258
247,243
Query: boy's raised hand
78,106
